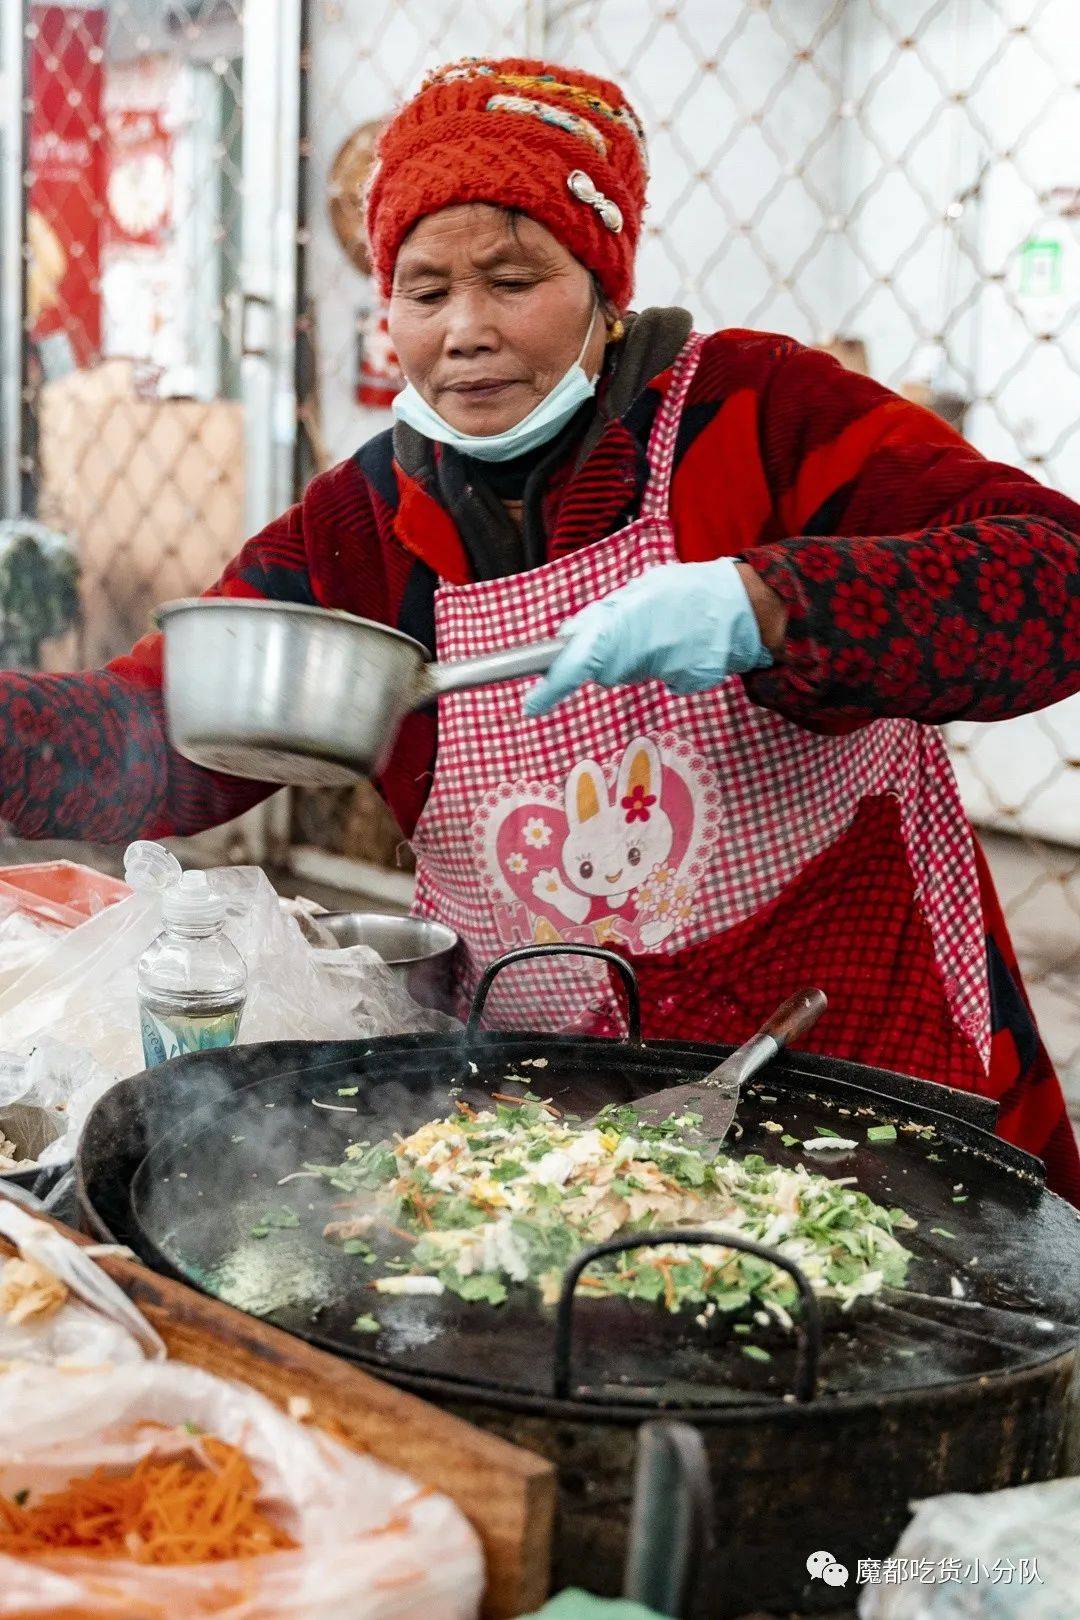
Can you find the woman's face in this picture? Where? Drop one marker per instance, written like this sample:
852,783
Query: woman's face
487,313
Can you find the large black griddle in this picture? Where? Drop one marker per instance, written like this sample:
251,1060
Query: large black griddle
183,1163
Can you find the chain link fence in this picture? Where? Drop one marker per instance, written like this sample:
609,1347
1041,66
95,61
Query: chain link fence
893,179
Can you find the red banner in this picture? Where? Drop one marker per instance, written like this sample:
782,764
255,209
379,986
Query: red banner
66,201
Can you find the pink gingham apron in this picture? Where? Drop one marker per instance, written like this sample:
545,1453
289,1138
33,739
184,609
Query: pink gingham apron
649,821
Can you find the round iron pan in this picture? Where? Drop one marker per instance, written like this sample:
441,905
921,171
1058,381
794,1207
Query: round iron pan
180,1164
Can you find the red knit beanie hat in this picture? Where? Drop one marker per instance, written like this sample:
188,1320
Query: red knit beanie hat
562,146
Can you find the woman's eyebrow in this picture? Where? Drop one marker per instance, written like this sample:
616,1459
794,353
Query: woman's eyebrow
500,258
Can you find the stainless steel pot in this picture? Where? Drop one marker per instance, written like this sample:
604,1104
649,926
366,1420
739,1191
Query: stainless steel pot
284,692
418,952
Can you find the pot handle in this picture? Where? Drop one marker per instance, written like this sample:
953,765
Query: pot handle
462,674
804,1383
528,953
671,1520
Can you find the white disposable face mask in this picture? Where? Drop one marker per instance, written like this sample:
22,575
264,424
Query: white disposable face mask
543,422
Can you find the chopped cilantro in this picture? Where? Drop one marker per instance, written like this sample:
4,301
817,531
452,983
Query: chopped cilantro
366,1324
789,1140
357,1245
730,1299
483,1285
348,1091
881,1133
625,1185
275,1220
825,1130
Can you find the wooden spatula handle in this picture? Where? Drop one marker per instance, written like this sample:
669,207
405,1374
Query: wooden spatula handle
799,1013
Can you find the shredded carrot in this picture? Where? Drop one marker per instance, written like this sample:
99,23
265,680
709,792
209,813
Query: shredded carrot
663,1264
195,1509
407,1577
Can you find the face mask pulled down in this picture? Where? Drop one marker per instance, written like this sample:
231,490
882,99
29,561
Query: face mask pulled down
541,425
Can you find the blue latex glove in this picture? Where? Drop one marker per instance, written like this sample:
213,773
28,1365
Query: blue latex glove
689,625
575,1605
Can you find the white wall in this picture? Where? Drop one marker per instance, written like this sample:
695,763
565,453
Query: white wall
1012,137
912,157
745,149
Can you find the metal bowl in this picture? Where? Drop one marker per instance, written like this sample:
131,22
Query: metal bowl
288,692
418,952
32,1129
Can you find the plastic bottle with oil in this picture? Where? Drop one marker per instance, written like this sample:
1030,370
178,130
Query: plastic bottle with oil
192,979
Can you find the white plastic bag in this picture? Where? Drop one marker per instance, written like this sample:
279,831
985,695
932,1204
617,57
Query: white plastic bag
1003,1555
372,1545
23,940
76,1005
97,1325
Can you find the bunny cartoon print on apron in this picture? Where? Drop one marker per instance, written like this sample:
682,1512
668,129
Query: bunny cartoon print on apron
609,855
661,824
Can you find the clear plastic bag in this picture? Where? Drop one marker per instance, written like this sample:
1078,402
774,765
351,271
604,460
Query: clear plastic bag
372,1546
96,1325
23,940
77,1004
1004,1555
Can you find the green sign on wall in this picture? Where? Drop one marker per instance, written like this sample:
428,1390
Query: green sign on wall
1041,267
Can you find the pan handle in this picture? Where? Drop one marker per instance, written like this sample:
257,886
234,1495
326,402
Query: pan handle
808,1326
671,1521
798,1014
528,953
462,674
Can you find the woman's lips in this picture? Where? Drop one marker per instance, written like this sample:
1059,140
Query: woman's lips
489,388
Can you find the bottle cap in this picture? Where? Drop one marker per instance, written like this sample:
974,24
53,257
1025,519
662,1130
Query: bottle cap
192,902
150,868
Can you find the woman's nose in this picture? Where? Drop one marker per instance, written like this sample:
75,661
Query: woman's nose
469,329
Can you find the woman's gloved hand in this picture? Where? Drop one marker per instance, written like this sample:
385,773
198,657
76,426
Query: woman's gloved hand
689,625
576,1605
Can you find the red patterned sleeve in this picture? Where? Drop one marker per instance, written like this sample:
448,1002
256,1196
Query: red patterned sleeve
86,755
920,579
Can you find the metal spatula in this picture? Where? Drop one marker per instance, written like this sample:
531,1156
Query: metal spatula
716,1095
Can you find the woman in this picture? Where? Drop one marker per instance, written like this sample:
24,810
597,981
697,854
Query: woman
774,578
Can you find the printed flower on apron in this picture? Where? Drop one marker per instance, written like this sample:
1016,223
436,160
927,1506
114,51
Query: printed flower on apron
614,851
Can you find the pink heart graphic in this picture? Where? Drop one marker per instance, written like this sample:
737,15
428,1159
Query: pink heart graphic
615,851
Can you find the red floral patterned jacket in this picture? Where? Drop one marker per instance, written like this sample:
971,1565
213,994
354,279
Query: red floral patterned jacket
920,580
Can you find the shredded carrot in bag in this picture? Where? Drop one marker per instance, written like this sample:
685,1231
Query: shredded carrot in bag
198,1509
